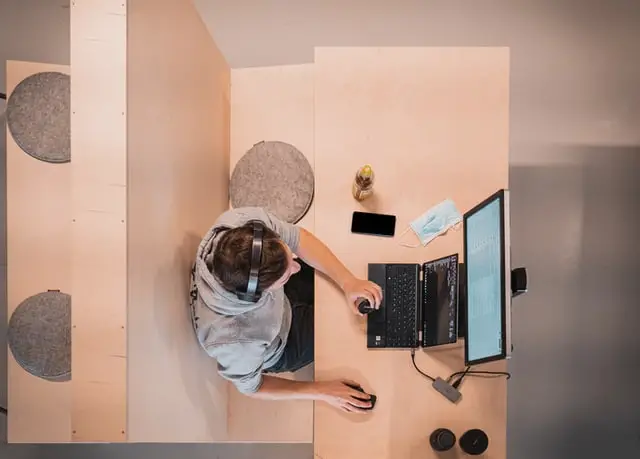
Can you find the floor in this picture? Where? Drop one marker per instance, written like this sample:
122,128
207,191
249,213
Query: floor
576,345
575,149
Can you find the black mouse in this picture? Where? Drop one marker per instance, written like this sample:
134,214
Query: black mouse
364,306
373,398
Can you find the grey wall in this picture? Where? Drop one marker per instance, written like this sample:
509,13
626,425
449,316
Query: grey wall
575,144
577,347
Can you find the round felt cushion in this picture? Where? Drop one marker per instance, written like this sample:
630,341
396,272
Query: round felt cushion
38,116
276,176
39,335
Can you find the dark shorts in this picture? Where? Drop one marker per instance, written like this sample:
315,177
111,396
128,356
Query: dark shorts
298,351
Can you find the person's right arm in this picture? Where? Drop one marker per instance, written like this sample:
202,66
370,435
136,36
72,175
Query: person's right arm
335,393
241,363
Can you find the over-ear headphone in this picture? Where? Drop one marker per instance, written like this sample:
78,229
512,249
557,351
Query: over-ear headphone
250,294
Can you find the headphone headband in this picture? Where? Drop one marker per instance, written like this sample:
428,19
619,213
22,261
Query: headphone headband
256,257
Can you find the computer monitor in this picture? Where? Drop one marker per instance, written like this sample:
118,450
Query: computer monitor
488,280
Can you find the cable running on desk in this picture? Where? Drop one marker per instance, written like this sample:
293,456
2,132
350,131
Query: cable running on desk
413,360
466,372
475,373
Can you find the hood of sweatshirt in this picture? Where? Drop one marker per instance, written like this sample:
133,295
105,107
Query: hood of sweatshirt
211,292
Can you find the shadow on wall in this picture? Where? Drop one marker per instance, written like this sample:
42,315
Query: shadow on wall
576,361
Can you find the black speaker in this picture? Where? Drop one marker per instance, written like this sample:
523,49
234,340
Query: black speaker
474,442
442,440
518,281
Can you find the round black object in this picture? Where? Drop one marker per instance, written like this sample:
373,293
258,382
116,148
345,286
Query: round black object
474,442
39,335
364,306
442,440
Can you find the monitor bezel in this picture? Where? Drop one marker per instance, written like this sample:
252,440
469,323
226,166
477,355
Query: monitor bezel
503,196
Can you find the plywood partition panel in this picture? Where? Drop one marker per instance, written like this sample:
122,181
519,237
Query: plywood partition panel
98,211
434,124
38,259
272,103
178,164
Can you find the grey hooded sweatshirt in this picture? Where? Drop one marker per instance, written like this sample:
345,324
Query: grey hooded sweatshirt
245,338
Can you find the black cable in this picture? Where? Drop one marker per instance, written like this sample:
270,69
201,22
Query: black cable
3,96
457,383
413,359
467,372
3,410
476,373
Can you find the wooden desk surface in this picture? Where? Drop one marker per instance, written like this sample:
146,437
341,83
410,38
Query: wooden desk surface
433,123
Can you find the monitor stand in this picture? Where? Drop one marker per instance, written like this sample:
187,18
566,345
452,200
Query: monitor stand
518,287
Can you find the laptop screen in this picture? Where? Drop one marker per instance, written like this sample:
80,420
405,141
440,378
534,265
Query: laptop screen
485,282
439,316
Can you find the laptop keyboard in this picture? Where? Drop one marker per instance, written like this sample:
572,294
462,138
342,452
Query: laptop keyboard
401,303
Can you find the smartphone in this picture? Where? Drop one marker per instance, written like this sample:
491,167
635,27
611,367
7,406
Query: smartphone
373,224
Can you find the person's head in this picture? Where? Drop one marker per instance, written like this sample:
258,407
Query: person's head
232,260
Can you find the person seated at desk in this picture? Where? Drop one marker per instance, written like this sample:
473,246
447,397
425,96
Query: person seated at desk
254,340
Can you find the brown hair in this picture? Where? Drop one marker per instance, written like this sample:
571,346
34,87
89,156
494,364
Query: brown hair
232,259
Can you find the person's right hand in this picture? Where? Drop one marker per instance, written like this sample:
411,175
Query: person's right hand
343,397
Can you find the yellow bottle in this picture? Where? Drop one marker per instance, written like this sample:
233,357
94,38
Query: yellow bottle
363,183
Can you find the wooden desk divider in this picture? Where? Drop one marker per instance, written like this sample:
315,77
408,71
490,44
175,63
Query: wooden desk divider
118,226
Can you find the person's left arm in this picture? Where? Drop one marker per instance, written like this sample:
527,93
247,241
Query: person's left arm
313,251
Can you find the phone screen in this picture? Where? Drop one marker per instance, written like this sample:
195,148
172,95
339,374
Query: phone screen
374,224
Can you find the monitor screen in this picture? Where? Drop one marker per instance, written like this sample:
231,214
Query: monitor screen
487,303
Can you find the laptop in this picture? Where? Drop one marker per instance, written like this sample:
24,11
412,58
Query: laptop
419,305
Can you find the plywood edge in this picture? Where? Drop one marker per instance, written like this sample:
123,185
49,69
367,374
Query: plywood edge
99,269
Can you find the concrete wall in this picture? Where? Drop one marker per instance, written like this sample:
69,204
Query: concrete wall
576,345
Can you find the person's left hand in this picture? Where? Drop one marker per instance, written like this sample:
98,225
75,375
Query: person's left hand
355,289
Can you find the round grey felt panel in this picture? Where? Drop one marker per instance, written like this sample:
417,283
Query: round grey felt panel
276,176
38,116
39,335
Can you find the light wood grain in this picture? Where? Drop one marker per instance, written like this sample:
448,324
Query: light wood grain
98,204
178,165
433,123
38,259
272,103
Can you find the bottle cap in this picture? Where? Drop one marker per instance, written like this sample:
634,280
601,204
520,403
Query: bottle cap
366,171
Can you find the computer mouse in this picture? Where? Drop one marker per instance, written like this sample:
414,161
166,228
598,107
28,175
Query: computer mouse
364,306
373,398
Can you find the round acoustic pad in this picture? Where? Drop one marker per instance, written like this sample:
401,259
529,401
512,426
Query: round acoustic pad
39,335
276,176
38,116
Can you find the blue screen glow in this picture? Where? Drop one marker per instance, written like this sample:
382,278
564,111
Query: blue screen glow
484,267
